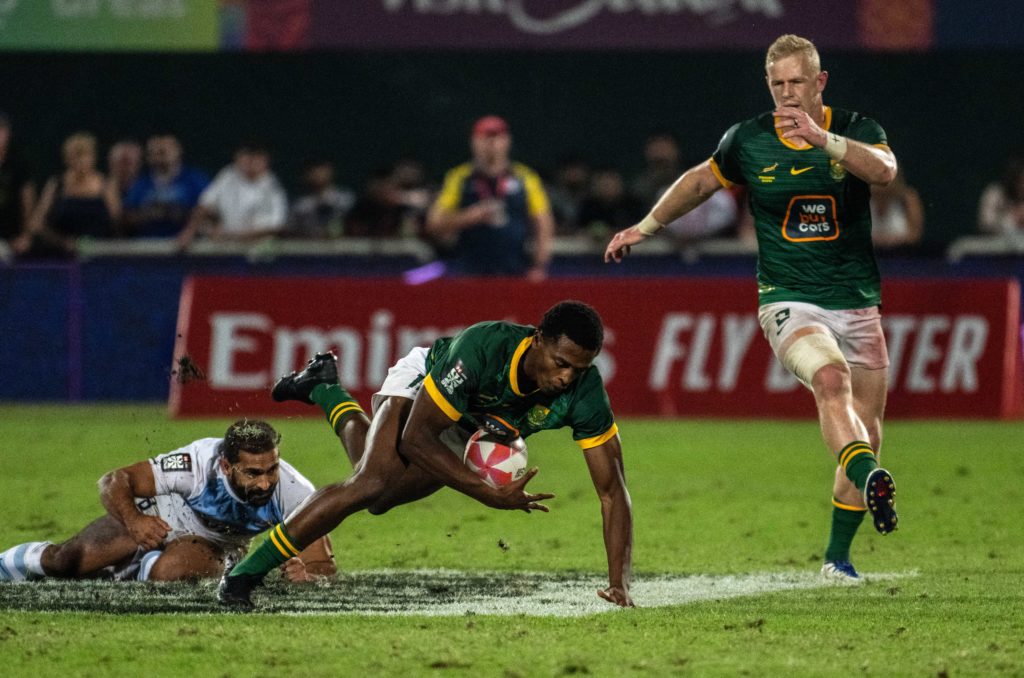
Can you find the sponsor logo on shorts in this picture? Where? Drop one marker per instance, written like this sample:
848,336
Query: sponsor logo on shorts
781,317
176,462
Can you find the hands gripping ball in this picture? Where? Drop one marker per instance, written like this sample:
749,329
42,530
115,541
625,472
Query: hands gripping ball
496,461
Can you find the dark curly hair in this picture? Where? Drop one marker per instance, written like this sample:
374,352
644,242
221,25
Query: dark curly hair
251,435
575,320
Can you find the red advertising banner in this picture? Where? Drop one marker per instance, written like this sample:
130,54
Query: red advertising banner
674,347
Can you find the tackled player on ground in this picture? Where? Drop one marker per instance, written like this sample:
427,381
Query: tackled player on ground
185,514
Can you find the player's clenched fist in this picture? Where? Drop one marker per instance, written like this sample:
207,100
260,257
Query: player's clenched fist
294,570
148,531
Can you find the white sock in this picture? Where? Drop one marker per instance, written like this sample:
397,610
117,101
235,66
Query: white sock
147,563
23,561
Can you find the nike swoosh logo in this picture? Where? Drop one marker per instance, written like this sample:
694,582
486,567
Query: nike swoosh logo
794,171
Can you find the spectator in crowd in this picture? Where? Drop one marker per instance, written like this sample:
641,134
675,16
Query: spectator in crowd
609,207
160,201
79,203
568,191
411,180
320,211
494,208
661,158
393,203
244,202
1001,209
17,188
124,163
379,212
414,194
897,217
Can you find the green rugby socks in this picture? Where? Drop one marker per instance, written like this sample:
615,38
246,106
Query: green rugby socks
275,550
858,460
845,522
337,403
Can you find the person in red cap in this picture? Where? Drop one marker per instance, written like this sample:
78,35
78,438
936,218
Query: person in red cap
493,210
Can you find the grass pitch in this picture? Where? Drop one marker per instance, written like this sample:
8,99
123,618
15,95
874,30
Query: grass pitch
730,525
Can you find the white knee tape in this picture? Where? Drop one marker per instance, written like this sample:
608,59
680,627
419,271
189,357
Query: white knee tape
810,353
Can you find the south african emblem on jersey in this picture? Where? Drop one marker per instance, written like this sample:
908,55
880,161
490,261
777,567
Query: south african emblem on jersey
537,415
836,171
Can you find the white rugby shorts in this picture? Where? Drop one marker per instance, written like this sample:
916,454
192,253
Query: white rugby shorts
404,380
857,331
185,523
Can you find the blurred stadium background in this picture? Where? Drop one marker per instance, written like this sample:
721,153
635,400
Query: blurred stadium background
364,83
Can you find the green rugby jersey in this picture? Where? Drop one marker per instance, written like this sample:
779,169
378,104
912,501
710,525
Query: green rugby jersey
475,373
813,218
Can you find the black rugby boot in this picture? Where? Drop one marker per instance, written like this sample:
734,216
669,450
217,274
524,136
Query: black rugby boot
879,496
235,592
322,369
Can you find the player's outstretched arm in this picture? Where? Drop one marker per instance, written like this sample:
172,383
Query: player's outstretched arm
696,185
118,490
605,464
421,444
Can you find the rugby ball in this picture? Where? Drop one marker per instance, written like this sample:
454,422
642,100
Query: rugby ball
496,461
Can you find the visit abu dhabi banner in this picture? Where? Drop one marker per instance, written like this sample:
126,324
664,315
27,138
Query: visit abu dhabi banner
578,24
574,24
109,25
673,347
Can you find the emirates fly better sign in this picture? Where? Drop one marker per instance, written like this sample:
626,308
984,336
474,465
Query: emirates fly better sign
673,347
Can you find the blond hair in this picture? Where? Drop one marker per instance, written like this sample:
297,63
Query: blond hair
78,143
788,45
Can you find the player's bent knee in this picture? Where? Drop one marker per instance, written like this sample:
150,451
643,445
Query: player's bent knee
806,356
832,381
188,565
379,508
167,575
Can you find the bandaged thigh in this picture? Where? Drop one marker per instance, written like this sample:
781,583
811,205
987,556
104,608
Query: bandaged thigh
809,353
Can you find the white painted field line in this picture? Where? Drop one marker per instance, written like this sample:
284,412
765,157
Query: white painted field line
554,595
